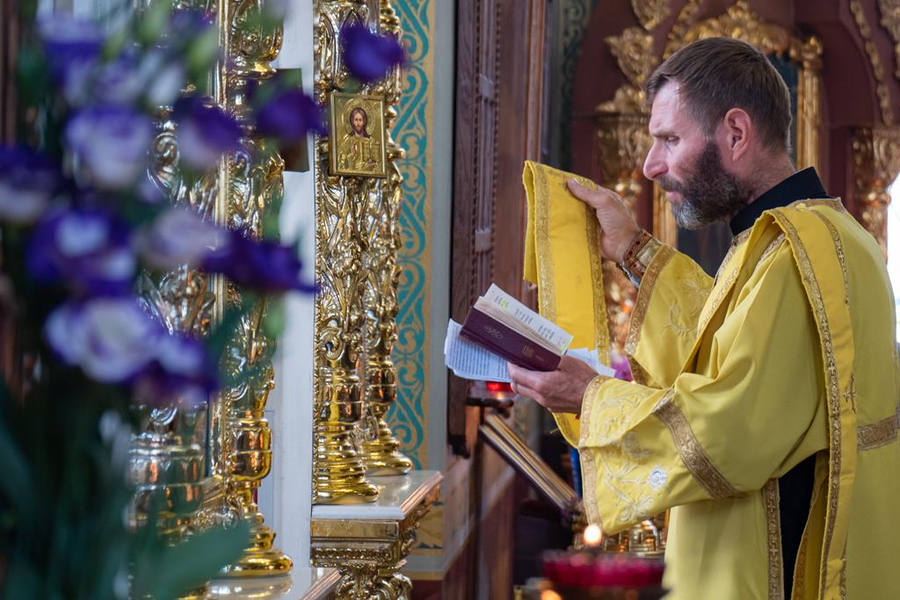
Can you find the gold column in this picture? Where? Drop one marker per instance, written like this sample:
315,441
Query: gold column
251,183
380,449
341,212
876,164
809,88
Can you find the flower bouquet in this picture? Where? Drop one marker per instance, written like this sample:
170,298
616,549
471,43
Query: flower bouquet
84,225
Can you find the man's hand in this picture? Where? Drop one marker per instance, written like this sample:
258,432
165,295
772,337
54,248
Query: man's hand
560,390
619,227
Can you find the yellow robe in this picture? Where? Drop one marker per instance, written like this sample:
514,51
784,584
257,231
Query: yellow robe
789,353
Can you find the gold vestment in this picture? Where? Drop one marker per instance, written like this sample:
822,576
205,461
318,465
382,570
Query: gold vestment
789,353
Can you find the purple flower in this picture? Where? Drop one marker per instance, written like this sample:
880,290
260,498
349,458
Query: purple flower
368,56
621,367
260,265
182,371
179,237
289,116
86,249
205,132
28,181
111,339
111,142
70,44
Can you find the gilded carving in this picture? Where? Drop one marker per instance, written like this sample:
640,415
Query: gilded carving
342,207
890,20
881,89
679,29
369,553
876,163
742,23
634,51
623,141
651,12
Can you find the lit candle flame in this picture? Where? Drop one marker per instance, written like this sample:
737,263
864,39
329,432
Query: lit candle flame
592,535
550,595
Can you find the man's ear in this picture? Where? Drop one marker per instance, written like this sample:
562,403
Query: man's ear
738,131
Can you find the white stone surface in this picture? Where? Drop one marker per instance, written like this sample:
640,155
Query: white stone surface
397,496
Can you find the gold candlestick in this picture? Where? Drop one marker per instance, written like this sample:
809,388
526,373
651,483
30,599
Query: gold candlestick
341,208
254,177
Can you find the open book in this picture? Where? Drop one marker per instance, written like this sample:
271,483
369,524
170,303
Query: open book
500,329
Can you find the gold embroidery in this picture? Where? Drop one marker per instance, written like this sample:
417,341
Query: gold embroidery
642,302
839,247
835,203
614,458
692,453
601,328
588,467
726,285
735,242
546,291
695,292
832,387
879,433
773,540
772,247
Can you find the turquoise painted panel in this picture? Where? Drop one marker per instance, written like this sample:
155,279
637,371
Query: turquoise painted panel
408,416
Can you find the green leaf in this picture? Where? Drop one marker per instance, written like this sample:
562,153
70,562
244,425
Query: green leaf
153,22
203,51
191,563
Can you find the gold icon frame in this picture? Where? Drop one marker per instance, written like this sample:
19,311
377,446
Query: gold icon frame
342,107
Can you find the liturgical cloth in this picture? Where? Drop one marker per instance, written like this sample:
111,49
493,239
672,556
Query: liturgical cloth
788,353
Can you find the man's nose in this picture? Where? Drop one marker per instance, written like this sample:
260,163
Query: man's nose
654,165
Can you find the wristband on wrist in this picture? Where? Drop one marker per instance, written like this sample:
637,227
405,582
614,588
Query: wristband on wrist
638,256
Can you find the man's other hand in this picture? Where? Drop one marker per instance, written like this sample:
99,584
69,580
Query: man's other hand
560,391
619,227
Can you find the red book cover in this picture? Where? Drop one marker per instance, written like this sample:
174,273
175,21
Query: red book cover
486,331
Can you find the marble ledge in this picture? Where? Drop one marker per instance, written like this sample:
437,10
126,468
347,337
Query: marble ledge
304,583
398,496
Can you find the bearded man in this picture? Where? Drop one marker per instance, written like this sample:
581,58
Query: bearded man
764,411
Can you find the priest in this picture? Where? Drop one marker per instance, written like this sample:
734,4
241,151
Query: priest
764,410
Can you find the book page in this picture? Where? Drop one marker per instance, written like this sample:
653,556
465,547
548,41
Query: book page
549,333
591,358
469,360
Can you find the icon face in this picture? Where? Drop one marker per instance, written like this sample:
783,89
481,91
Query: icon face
357,135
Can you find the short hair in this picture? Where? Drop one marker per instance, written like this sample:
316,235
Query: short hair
715,75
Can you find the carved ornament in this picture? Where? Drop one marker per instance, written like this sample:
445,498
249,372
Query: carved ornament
876,164
890,20
679,29
651,12
633,50
740,22
881,89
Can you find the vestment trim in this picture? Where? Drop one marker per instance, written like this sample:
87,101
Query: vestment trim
692,453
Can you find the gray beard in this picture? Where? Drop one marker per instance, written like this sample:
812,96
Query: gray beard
709,193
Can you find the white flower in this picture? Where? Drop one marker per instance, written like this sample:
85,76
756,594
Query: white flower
163,81
112,143
658,477
178,237
111,339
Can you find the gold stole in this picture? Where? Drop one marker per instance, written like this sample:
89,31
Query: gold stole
818,251
562,257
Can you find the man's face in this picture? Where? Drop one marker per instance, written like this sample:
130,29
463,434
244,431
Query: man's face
688,165
358,122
